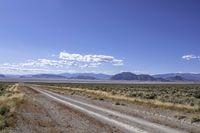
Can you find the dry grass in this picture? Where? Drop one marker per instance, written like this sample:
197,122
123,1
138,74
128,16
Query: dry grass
8,103
98,94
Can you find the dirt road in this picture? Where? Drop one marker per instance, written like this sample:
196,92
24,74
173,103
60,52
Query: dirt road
46,111
39,114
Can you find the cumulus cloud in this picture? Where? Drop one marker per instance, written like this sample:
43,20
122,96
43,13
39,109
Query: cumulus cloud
190,57
63,62
90,58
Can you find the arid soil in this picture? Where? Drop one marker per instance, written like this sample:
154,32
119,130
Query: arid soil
38,114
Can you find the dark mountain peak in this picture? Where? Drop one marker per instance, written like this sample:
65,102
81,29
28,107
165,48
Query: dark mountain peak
127,73
132,76
124,76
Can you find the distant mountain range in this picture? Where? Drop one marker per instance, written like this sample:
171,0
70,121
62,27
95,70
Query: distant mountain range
95,75
53,76
89,76
186,76
171,77
162,77
132,76
135,77
176,78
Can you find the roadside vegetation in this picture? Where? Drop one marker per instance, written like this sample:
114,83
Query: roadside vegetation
10,97
184,97
179,97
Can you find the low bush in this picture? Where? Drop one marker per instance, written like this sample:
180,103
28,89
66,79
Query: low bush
195,119
197,94
117,103
4,110
2,124
150,96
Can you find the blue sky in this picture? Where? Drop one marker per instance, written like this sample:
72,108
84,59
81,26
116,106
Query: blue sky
102,36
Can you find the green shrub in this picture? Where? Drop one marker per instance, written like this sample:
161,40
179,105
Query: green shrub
4,110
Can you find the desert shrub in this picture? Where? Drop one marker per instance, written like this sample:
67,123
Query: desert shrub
2,90
9,121
101,99
197,109
195,119
4,110
185,94
5,122
129,94
150,96
2,124
197,94
117,103
191,104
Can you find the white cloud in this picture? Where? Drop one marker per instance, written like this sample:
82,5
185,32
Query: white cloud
41,63
17,70
90,58
65,62
190,57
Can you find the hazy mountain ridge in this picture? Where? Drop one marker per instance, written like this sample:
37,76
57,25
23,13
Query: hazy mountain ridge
171,77
186,76
48,76
83,77
2,76
95,75
145,77
176,78
90,76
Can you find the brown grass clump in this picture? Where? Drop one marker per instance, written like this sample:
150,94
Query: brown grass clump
9,99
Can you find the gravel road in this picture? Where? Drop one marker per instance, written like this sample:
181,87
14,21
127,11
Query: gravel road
123,122
39,114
